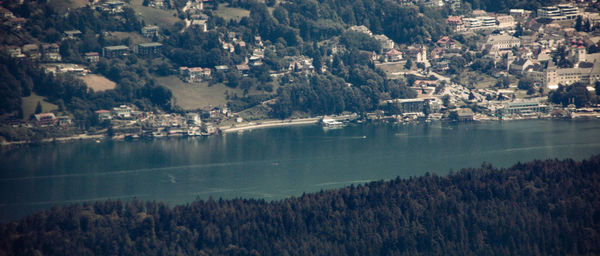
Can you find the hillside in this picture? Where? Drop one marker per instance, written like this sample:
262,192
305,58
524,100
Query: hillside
547,207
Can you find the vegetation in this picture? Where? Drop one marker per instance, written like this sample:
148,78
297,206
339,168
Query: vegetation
536,208
576,94
504,5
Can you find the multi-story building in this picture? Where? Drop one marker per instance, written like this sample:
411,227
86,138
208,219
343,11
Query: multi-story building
150,31
501,42
115,51
522,108
148,49
568,11
506,22
456,23
92,57
480,23
558,12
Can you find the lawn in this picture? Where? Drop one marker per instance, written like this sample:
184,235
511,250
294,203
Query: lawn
229,13
154,16
392,69
195,95
98,83
134,37
476,80
29,103
191,96
64,5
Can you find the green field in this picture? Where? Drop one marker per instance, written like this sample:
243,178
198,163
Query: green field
196,95
153,16
229,13
191,96
476,80
29,103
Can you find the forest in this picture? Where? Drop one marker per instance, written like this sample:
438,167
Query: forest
549,207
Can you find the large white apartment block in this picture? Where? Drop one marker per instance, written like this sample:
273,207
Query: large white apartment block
558,12
480,23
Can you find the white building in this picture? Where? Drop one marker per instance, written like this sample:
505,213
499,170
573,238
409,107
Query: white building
122,111
501,42
558,12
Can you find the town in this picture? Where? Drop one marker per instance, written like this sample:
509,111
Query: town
521,64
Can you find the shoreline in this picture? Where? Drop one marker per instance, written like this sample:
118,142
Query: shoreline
240,127
269,124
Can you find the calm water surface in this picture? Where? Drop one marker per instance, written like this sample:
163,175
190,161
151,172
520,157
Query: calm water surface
273,163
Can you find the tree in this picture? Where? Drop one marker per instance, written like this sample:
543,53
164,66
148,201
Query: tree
38,108
579,24
408,64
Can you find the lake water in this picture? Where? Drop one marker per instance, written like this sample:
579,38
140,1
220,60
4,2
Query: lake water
273,163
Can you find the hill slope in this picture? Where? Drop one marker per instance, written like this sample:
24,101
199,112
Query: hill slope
539,208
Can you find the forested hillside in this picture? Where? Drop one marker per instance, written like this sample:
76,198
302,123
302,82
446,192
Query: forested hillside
539,208
504,5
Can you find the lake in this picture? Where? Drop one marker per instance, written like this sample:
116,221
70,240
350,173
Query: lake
273,163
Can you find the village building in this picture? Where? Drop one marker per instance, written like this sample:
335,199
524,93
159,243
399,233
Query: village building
71,34
243,69
92,57
50,52
522,108
192,118
123,112
393,55
222,68
520,14
558,12
13,51
64,120
44,119
32,51
519,66
419,53
148,49
446,43
464,114
115,51
456,23
111,7
150,31
199,24
506,22
103,114
501,42
195,74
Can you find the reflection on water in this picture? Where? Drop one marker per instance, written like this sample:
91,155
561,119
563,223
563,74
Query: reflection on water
273,163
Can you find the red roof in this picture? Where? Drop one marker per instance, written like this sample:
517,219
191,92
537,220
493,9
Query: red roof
444,40
393,52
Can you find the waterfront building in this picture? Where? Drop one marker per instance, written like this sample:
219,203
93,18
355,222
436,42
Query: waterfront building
123,111
522,108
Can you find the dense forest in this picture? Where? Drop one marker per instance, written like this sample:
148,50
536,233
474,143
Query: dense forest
504,5
547,207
